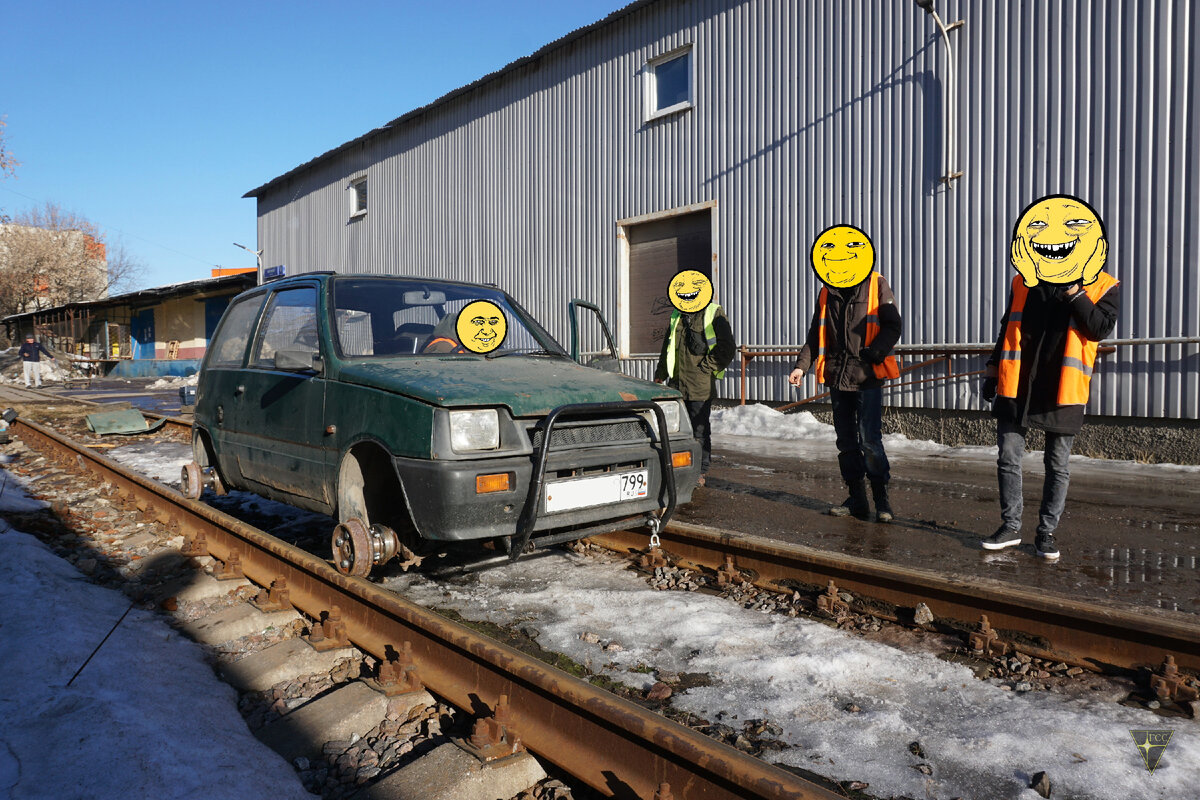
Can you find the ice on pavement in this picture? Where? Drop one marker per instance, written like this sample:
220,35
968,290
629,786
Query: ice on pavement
761,430
979,740
146,717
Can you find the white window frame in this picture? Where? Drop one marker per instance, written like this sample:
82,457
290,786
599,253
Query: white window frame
352,191
651,83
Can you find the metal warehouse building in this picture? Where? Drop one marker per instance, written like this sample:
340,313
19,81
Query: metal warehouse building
724,135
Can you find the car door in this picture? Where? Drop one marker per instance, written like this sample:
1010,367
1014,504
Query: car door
591,341
217,396
280,403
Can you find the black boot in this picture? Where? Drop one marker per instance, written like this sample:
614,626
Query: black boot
856,504
883,509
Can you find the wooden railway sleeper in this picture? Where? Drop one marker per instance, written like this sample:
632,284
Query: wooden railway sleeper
1169,684
276,598
986,640
493,738
397,676
330,633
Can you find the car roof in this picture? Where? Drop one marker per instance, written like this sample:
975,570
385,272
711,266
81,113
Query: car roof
327,274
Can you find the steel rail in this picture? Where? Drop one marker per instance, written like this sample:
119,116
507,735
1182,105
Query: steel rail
615,746
1043,625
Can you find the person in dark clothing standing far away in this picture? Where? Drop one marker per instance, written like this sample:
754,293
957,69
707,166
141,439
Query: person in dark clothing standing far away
697,347
850,339
31,359
1061,305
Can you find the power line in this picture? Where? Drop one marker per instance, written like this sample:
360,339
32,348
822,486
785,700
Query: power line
121,232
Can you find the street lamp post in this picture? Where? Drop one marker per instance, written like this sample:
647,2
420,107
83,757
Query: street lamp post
257,255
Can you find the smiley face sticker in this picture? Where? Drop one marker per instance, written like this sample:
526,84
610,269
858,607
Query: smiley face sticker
1060,240
481,326
690,291
842,256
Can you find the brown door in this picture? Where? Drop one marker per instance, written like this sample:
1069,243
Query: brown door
658,250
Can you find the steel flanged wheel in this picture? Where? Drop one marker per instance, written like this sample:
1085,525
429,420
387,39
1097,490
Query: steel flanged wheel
191,481
352,552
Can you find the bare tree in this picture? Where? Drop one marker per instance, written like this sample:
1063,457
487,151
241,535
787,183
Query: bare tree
8,164
49,257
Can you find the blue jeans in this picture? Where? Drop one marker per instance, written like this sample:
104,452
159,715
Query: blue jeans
1011,441
857,419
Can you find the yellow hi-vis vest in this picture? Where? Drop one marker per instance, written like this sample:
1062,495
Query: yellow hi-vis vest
1079,353
710,313
889,368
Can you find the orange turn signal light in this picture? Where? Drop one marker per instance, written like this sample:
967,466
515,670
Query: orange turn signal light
681,459
498,482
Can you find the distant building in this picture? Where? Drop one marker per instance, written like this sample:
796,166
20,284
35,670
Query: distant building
159,331
724,135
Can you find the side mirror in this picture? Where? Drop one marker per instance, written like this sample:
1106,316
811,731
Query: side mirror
299,361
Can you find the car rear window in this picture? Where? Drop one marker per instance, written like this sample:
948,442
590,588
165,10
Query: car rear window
228,345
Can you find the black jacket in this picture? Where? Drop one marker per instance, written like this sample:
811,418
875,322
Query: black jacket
30,351
1044,321
846,315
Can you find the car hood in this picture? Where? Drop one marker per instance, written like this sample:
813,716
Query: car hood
528,385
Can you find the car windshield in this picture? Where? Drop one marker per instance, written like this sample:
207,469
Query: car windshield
411,317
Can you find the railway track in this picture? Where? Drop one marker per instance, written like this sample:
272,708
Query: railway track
596,736
615,746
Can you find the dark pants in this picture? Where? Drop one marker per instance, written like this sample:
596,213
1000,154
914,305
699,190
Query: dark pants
857,419
1011,442
698,411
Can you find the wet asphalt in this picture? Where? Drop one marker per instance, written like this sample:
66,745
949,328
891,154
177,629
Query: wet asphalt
1130,534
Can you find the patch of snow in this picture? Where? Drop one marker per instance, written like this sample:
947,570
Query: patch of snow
145,717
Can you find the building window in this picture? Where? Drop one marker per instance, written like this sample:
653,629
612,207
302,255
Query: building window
669,83
358,197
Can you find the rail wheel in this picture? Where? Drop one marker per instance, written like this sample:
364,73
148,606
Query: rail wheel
357,548
191,481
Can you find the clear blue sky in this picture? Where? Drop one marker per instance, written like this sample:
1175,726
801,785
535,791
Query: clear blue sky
152,119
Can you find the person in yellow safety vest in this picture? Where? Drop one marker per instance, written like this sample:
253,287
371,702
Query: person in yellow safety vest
850,339
1060,306
697,346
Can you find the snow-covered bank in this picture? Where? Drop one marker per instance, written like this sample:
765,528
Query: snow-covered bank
146,717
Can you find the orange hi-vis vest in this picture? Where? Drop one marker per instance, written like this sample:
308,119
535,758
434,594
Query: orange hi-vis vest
1079,354
889,368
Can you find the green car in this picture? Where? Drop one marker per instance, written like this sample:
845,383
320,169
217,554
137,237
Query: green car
351,395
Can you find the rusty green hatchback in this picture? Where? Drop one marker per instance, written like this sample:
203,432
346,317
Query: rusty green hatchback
350,395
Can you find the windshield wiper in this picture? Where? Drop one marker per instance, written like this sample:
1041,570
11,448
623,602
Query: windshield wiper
541,351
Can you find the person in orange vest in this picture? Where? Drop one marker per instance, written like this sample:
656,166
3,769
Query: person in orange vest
850,339
1061,304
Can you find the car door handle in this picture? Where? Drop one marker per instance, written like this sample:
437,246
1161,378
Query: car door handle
239,391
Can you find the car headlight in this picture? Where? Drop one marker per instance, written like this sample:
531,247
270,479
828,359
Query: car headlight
474,430
670,410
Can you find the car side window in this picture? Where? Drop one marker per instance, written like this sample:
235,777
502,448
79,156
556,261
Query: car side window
289,323
229,343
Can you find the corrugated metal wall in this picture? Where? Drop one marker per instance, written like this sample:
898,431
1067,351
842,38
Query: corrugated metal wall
807,114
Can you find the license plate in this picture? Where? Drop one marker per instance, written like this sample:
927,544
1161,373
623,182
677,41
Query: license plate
597,491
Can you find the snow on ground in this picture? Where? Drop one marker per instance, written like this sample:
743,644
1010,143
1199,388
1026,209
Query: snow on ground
762,430
980,740
145,717
175,383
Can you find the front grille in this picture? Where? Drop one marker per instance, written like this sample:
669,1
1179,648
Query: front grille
592,433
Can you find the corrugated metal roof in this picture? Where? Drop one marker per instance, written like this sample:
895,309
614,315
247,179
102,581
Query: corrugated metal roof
155,293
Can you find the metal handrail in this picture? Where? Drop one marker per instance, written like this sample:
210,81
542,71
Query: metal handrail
944,351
